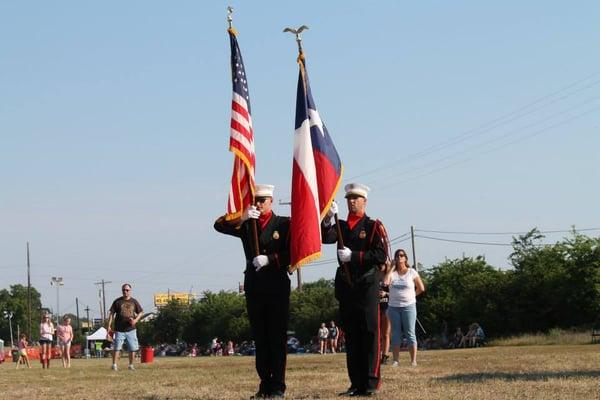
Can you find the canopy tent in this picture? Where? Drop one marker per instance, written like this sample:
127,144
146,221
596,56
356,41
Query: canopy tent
100,334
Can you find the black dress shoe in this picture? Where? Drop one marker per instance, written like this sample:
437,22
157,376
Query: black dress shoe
259,395
350,392
277,394
366,393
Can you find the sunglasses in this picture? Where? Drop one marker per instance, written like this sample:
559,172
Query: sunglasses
401,255
353,197
260,199
126,290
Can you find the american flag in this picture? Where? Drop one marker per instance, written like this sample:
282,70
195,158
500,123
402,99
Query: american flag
316,176
241,141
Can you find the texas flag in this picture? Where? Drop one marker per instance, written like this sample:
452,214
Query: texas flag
316,176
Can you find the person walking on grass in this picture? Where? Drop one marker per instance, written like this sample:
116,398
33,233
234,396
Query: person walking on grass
405,285
46,335
323,333
23,351
333,334
65,337
126,312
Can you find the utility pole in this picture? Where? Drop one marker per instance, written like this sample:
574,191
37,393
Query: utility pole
103,282
412,238
77,308
28,295
87,310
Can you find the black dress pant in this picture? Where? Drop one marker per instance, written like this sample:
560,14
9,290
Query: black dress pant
269,315
360,321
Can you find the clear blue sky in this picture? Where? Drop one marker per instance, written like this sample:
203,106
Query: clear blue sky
461,116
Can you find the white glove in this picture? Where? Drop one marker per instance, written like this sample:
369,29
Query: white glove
329,218
344,254
260,261
251,212
334,208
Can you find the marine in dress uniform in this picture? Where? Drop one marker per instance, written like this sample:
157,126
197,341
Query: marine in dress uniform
266,287
358,294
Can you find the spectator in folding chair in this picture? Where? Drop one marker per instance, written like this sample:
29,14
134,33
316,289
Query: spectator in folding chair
478,338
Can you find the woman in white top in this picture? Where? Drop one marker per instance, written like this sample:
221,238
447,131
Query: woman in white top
405,285
46,332
323,335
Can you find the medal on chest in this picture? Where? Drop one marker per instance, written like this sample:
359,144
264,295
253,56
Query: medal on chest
362,234
276,235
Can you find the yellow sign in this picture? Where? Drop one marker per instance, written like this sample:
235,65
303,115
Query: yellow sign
162,299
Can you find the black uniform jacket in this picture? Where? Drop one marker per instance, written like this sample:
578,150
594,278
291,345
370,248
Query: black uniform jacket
368,253
273,242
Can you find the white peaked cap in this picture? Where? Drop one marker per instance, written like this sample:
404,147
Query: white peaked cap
358,189
263,190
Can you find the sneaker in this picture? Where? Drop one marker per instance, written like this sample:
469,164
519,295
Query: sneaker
131,367
395,364
114,367
384,359
413,364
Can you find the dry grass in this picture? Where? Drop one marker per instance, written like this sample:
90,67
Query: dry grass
553,337
536,372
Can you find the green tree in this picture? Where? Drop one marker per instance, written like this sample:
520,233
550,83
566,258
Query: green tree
462,291
221,314
555,285
170,322
15,300
314,304
146,333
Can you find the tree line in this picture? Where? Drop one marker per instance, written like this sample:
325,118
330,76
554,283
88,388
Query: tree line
548,286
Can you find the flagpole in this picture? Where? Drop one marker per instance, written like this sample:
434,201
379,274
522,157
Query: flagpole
340,245
300,60
253,226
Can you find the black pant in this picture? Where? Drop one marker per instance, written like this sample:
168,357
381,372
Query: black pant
360,321
269,316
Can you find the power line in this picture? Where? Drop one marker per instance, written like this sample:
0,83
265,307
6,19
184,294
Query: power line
535,133
464,241
497,122
500,137
400,241
399,237
504,233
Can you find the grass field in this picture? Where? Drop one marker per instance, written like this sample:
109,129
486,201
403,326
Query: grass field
524,372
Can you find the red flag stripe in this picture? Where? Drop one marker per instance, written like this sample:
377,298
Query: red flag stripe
245,135
240,109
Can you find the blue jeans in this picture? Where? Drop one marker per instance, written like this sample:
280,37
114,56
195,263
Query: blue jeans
130,337
403,320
